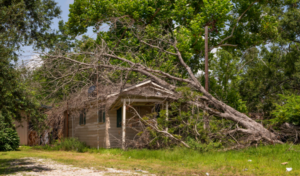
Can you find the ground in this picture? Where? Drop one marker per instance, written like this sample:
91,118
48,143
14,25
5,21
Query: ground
264,160
34,166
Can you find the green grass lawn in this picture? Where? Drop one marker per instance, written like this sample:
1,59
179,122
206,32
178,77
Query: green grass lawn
266,160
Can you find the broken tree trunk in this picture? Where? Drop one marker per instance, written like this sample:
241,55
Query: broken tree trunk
220,109
206,102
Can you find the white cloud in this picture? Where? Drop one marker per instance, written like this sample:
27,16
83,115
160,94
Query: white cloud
34,62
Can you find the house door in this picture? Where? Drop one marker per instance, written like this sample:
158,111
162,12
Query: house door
66,125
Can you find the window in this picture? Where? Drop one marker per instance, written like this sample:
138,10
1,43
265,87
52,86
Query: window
157,109
119,118
82,117
92,91
101,115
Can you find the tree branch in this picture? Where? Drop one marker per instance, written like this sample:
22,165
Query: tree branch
233,29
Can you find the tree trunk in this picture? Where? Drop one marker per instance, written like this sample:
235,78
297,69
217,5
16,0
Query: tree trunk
207,102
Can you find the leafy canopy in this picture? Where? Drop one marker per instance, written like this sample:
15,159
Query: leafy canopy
186,18
22,22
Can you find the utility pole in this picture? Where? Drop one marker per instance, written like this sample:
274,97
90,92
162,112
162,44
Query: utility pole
205,116
206,58
67,121
97,109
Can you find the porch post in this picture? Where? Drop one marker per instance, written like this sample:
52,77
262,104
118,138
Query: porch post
124,124
107,126
167,114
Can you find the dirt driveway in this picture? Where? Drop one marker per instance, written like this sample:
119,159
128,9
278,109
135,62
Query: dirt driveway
36,166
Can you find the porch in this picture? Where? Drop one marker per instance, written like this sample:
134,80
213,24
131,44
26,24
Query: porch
129,112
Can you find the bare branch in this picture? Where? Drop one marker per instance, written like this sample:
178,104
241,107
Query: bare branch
157,129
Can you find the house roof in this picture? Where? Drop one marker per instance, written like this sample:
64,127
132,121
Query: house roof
160,93
146,92
148,82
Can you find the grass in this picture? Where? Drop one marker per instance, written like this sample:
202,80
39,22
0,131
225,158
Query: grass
266,160
66,144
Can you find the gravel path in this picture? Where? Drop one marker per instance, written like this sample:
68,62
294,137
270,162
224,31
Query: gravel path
36,166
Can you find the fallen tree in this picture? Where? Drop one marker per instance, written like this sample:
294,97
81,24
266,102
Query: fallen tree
104,64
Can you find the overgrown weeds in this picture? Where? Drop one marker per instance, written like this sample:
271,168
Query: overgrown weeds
66,144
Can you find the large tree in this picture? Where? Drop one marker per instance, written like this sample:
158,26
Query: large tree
275,69
244,19
163,40
22,22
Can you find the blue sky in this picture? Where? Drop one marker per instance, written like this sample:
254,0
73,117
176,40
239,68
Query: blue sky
28,52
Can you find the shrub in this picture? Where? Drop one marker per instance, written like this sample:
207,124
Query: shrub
72,144
203,147
289,111
68,144
9,139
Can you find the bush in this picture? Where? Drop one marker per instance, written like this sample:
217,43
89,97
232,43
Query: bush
289,111
203,147
9,139
68,144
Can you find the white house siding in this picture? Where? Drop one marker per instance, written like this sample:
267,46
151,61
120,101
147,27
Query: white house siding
89,132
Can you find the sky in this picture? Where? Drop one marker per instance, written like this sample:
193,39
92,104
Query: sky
28,53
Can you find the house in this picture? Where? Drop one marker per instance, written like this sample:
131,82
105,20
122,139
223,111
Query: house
22,129
106,121
26,134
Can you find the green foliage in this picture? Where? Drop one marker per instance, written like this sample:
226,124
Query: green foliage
67,144
225,78
9,139
288,110
274,69
203,147
185,19
270,72
22,23
14,98
25,23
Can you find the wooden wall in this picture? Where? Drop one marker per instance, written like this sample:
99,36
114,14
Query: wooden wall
89,132
115,133
22,130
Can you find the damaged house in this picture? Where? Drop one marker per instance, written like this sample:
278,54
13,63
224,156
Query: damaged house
101,116
25,131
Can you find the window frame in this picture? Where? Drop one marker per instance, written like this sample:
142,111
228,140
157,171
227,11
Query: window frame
119,117
82,118
101,115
